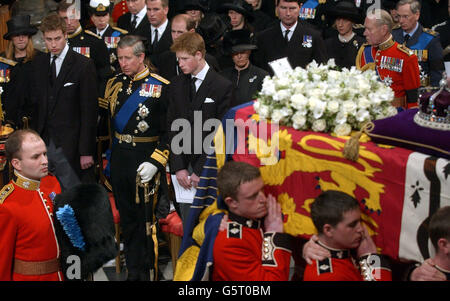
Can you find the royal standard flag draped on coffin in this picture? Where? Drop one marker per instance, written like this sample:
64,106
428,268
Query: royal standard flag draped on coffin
398,189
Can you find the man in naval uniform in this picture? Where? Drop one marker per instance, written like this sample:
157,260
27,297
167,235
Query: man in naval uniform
423,41
30,250
395,64
87,43
137,104
298,40
99,11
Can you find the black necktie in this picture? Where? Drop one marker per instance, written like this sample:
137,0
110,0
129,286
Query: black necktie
133,21
286,35
193,88
406,38
53,70
155,39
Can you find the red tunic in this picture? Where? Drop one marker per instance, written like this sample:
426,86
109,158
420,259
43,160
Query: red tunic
396,65
342,267
244,253
27,231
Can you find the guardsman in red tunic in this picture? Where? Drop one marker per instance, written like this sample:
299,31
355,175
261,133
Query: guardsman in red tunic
29,248
337,218
253,246
396,65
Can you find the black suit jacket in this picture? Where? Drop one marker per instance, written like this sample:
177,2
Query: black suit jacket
212,100
68,111
163,44
305,45
143,29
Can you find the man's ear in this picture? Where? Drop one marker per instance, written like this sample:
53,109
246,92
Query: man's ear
444,245
328,230
16,164
231,203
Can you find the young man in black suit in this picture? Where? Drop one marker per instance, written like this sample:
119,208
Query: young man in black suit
135,20
297,40
64,103
201,94
160,37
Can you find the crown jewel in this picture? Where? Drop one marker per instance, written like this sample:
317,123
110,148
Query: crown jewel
434,107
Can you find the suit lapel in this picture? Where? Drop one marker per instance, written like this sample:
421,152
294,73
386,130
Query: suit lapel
63,73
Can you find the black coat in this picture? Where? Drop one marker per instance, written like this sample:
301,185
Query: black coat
68,111
247,83
143,29
344,54
98,52
163,44
272,46
212,100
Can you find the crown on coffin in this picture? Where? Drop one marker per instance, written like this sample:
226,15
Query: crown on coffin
434,107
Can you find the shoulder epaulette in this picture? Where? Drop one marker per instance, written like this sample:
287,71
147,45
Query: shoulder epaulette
7,61
358,26
93,34
430,31
405,49
120,29
5,192
160,78
396,26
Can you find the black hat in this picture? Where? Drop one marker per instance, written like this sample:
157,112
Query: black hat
389,4
345,9
99,7
212,27
240,6
19,25
238,40
194,5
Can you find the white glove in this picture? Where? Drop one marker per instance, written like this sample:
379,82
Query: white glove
147,170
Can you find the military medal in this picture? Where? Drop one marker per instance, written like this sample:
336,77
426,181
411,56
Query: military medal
307,41
156,91
146,90
83,51
142,126
387,81
112,42
143,111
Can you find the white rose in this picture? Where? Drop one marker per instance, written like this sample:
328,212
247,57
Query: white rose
298,101
319,109
363,102
263,111
333,106
319,125
277,115
341,117
349,107
333,92
298,120
312,102
342,129
268,87
362,115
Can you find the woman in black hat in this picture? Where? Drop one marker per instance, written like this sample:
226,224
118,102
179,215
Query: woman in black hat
247,79
344,45
195,9
240,14
15,65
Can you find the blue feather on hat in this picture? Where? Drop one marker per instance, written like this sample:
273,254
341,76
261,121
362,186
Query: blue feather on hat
66,217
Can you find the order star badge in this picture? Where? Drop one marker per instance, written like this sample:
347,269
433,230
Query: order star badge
388,81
